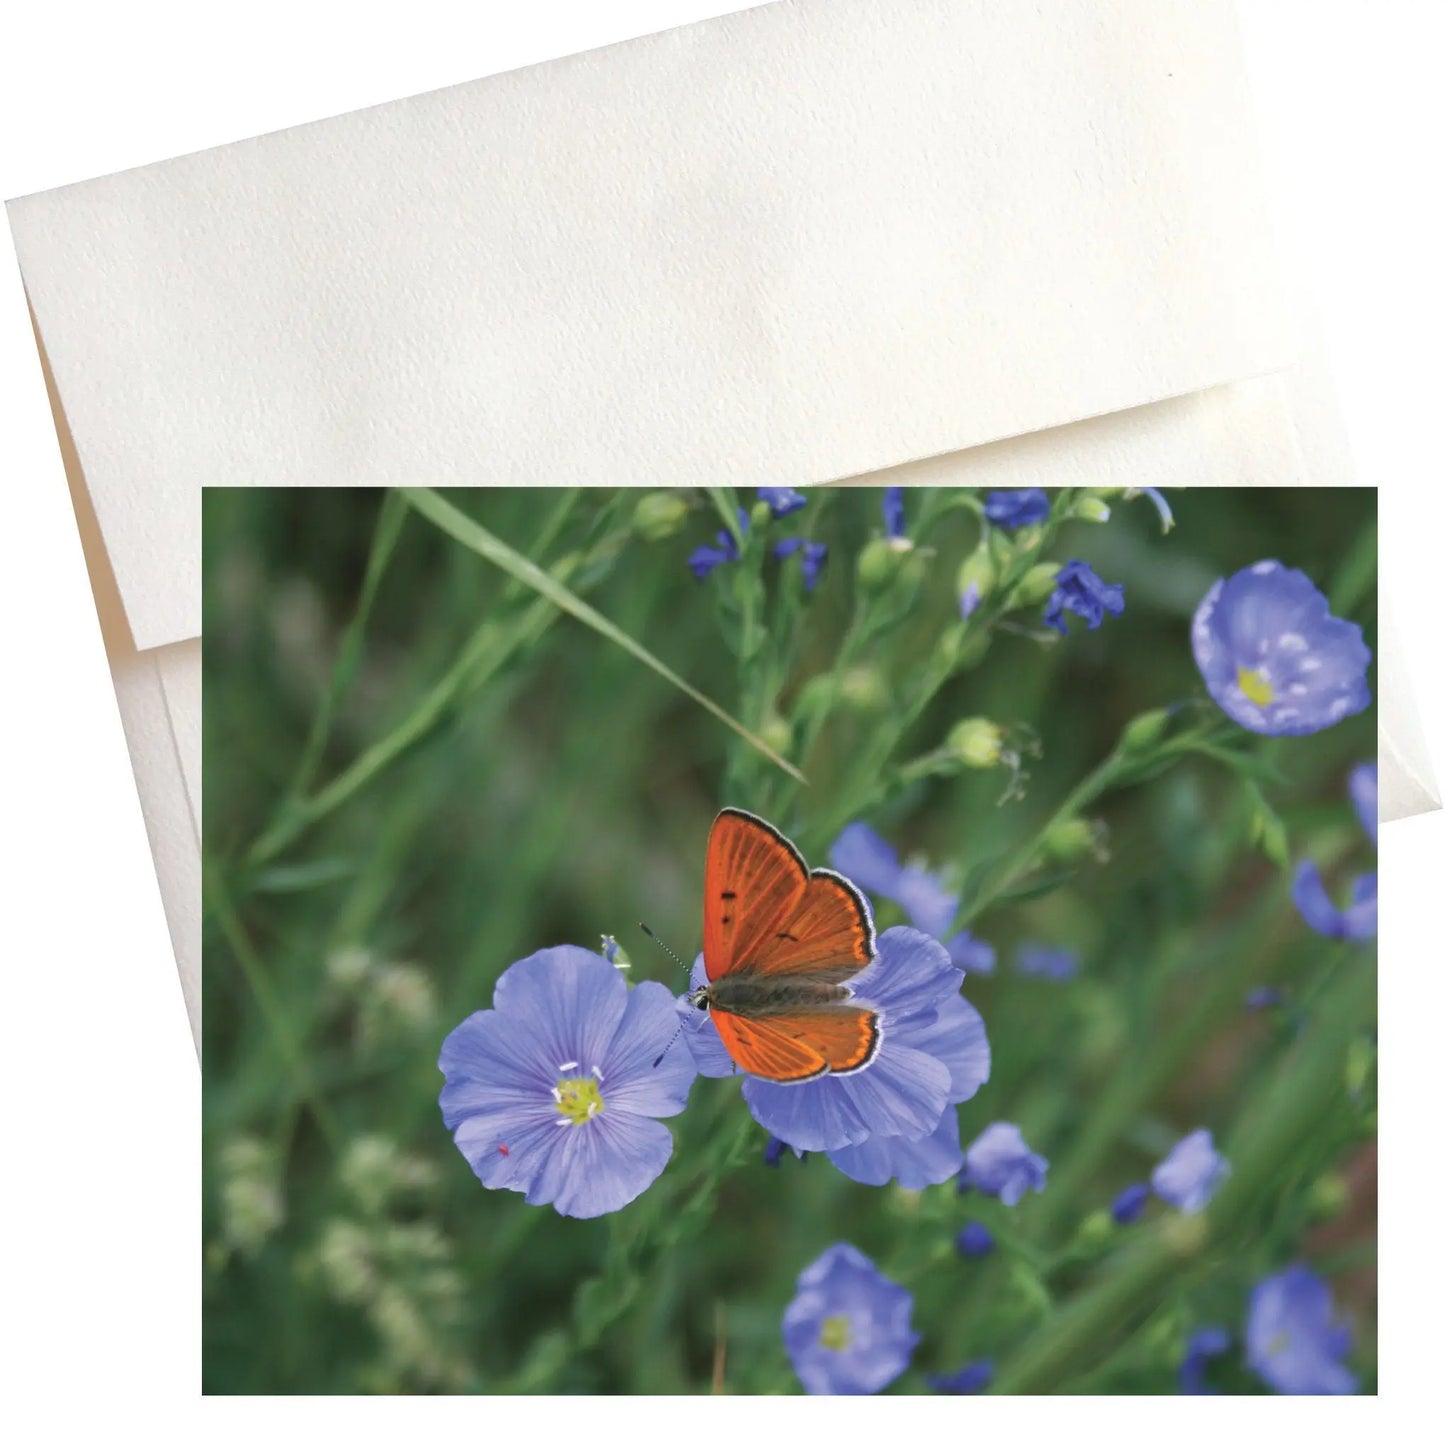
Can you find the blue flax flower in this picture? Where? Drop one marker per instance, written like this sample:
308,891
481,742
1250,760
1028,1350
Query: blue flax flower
848,1330
974,1241
1016,506
1273,657
1037,961
782,500
814,557
1359,919
1129,1205
894,522
704,559
931,1050
872,863
966,1381
555,1091
1293,1340
1001,1164
1080,589
1206,1344
1189,1176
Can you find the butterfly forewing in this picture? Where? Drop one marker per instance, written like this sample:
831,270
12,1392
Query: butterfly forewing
755,879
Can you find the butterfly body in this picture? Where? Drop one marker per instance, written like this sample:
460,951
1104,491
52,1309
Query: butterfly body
779,943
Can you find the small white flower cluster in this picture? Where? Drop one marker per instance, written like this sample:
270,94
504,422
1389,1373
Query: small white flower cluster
394,1001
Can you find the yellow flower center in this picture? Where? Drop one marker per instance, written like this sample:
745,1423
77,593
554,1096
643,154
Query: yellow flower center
836,1335
578,1099
1255,687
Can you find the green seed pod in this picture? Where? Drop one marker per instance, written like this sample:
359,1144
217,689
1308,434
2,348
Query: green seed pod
878,564
1091,509
977,742
1144,732
1067,840
977,571
659,515
864,690
1037,583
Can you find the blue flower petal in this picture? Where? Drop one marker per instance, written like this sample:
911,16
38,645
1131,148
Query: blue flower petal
974,1241
782,500
1365,792
971,955
1000,1163
902,1093
600,1166
893,518
1129,1205
635,1081
1358,921
912,973
968,1380
1016,506
1206,1344
1191,1173
915,1162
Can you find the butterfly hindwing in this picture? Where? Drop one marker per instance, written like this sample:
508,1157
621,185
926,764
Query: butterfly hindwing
795,1046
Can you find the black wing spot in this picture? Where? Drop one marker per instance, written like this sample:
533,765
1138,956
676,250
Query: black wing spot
727,919
783,934
729,894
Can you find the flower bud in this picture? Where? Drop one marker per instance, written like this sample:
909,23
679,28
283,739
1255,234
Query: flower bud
1069,839
777,733
1095,1233
878,564
977,742
1266,833
1144,732
1091,509
659,515
864,690
1329,1197
1037,583
976,573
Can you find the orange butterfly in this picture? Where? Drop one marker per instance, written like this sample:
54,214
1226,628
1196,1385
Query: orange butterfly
778,940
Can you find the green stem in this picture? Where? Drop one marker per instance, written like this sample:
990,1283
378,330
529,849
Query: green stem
348,658
270,1004
1305,1089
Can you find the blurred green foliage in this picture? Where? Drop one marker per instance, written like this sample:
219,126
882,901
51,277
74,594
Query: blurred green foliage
418,770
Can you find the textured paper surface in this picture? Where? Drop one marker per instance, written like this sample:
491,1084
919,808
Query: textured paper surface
809,240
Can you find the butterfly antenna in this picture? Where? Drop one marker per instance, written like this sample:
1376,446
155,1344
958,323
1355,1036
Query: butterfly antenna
687,1019
663,946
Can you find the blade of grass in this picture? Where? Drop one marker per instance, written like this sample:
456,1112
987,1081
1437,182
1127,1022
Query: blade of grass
469,533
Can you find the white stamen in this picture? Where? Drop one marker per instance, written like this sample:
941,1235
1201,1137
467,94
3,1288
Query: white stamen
562,1122
597,1073
556,1095
567,1067
591,1109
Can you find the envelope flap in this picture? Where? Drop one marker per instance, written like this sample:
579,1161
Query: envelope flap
796,243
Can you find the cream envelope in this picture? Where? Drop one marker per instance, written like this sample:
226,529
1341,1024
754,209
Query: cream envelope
816,239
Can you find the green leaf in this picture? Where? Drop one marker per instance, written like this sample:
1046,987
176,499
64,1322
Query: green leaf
291,879
458,525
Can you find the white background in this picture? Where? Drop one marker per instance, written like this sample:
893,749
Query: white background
101,1186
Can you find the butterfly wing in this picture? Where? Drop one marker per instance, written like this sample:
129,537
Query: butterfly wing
765,914
792,1046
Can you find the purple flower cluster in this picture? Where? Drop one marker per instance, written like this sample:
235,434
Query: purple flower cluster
1360,918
